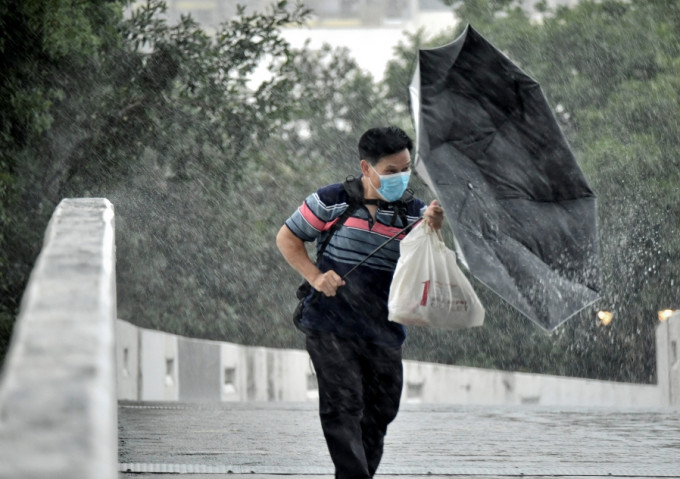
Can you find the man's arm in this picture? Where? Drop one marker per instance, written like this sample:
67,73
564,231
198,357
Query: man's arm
293,250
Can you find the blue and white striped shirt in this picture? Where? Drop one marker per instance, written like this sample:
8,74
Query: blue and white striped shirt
360,307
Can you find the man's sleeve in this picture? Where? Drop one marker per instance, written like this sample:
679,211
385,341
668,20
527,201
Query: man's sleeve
316,214
418,209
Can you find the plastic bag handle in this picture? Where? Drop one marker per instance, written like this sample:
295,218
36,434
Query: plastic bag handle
432,230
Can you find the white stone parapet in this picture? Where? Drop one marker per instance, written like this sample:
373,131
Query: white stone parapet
668,360
158,366
58,409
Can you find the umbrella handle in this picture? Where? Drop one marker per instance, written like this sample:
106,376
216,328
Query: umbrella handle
315,293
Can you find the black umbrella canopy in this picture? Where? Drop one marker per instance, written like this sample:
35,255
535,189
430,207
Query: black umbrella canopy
521,210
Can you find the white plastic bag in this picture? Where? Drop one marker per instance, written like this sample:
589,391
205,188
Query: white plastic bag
428,287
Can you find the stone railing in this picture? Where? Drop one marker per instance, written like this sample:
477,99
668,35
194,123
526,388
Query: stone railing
58,409
159,366
668,360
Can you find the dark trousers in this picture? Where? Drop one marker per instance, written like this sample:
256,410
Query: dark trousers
359,391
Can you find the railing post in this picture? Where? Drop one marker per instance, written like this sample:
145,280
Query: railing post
668,360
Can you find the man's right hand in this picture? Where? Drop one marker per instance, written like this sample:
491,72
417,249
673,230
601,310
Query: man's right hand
328,283
293,249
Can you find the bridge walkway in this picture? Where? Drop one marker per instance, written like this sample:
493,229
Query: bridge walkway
266,440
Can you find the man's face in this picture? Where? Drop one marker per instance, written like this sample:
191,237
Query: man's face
387,165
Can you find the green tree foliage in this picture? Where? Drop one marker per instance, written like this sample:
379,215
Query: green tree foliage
95,102
203,163
47,49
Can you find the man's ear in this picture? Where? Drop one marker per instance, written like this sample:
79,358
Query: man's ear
364,167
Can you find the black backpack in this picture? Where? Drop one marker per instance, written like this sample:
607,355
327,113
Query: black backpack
355,194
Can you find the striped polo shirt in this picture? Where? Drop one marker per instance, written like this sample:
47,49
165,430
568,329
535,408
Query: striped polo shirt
359,310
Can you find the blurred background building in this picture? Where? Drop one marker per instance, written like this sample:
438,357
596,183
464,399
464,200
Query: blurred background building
338,13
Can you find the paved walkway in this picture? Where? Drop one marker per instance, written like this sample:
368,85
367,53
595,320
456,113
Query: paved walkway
263,440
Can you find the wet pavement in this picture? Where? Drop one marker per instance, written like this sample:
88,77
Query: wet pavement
264,440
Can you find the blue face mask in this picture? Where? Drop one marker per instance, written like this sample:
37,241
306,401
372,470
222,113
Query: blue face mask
392,187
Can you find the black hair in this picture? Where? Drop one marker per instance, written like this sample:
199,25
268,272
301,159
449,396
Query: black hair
383,141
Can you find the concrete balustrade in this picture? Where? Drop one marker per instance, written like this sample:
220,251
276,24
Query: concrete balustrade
668,360
157,366
174,368
58,410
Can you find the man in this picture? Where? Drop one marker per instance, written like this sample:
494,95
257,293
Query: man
355,350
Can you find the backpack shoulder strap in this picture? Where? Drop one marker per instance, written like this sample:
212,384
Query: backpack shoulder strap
354,190
401,206
407,197
355,195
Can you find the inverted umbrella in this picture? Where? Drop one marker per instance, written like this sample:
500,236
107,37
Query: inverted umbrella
521,210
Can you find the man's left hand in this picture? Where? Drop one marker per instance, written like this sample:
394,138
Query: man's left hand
434,215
